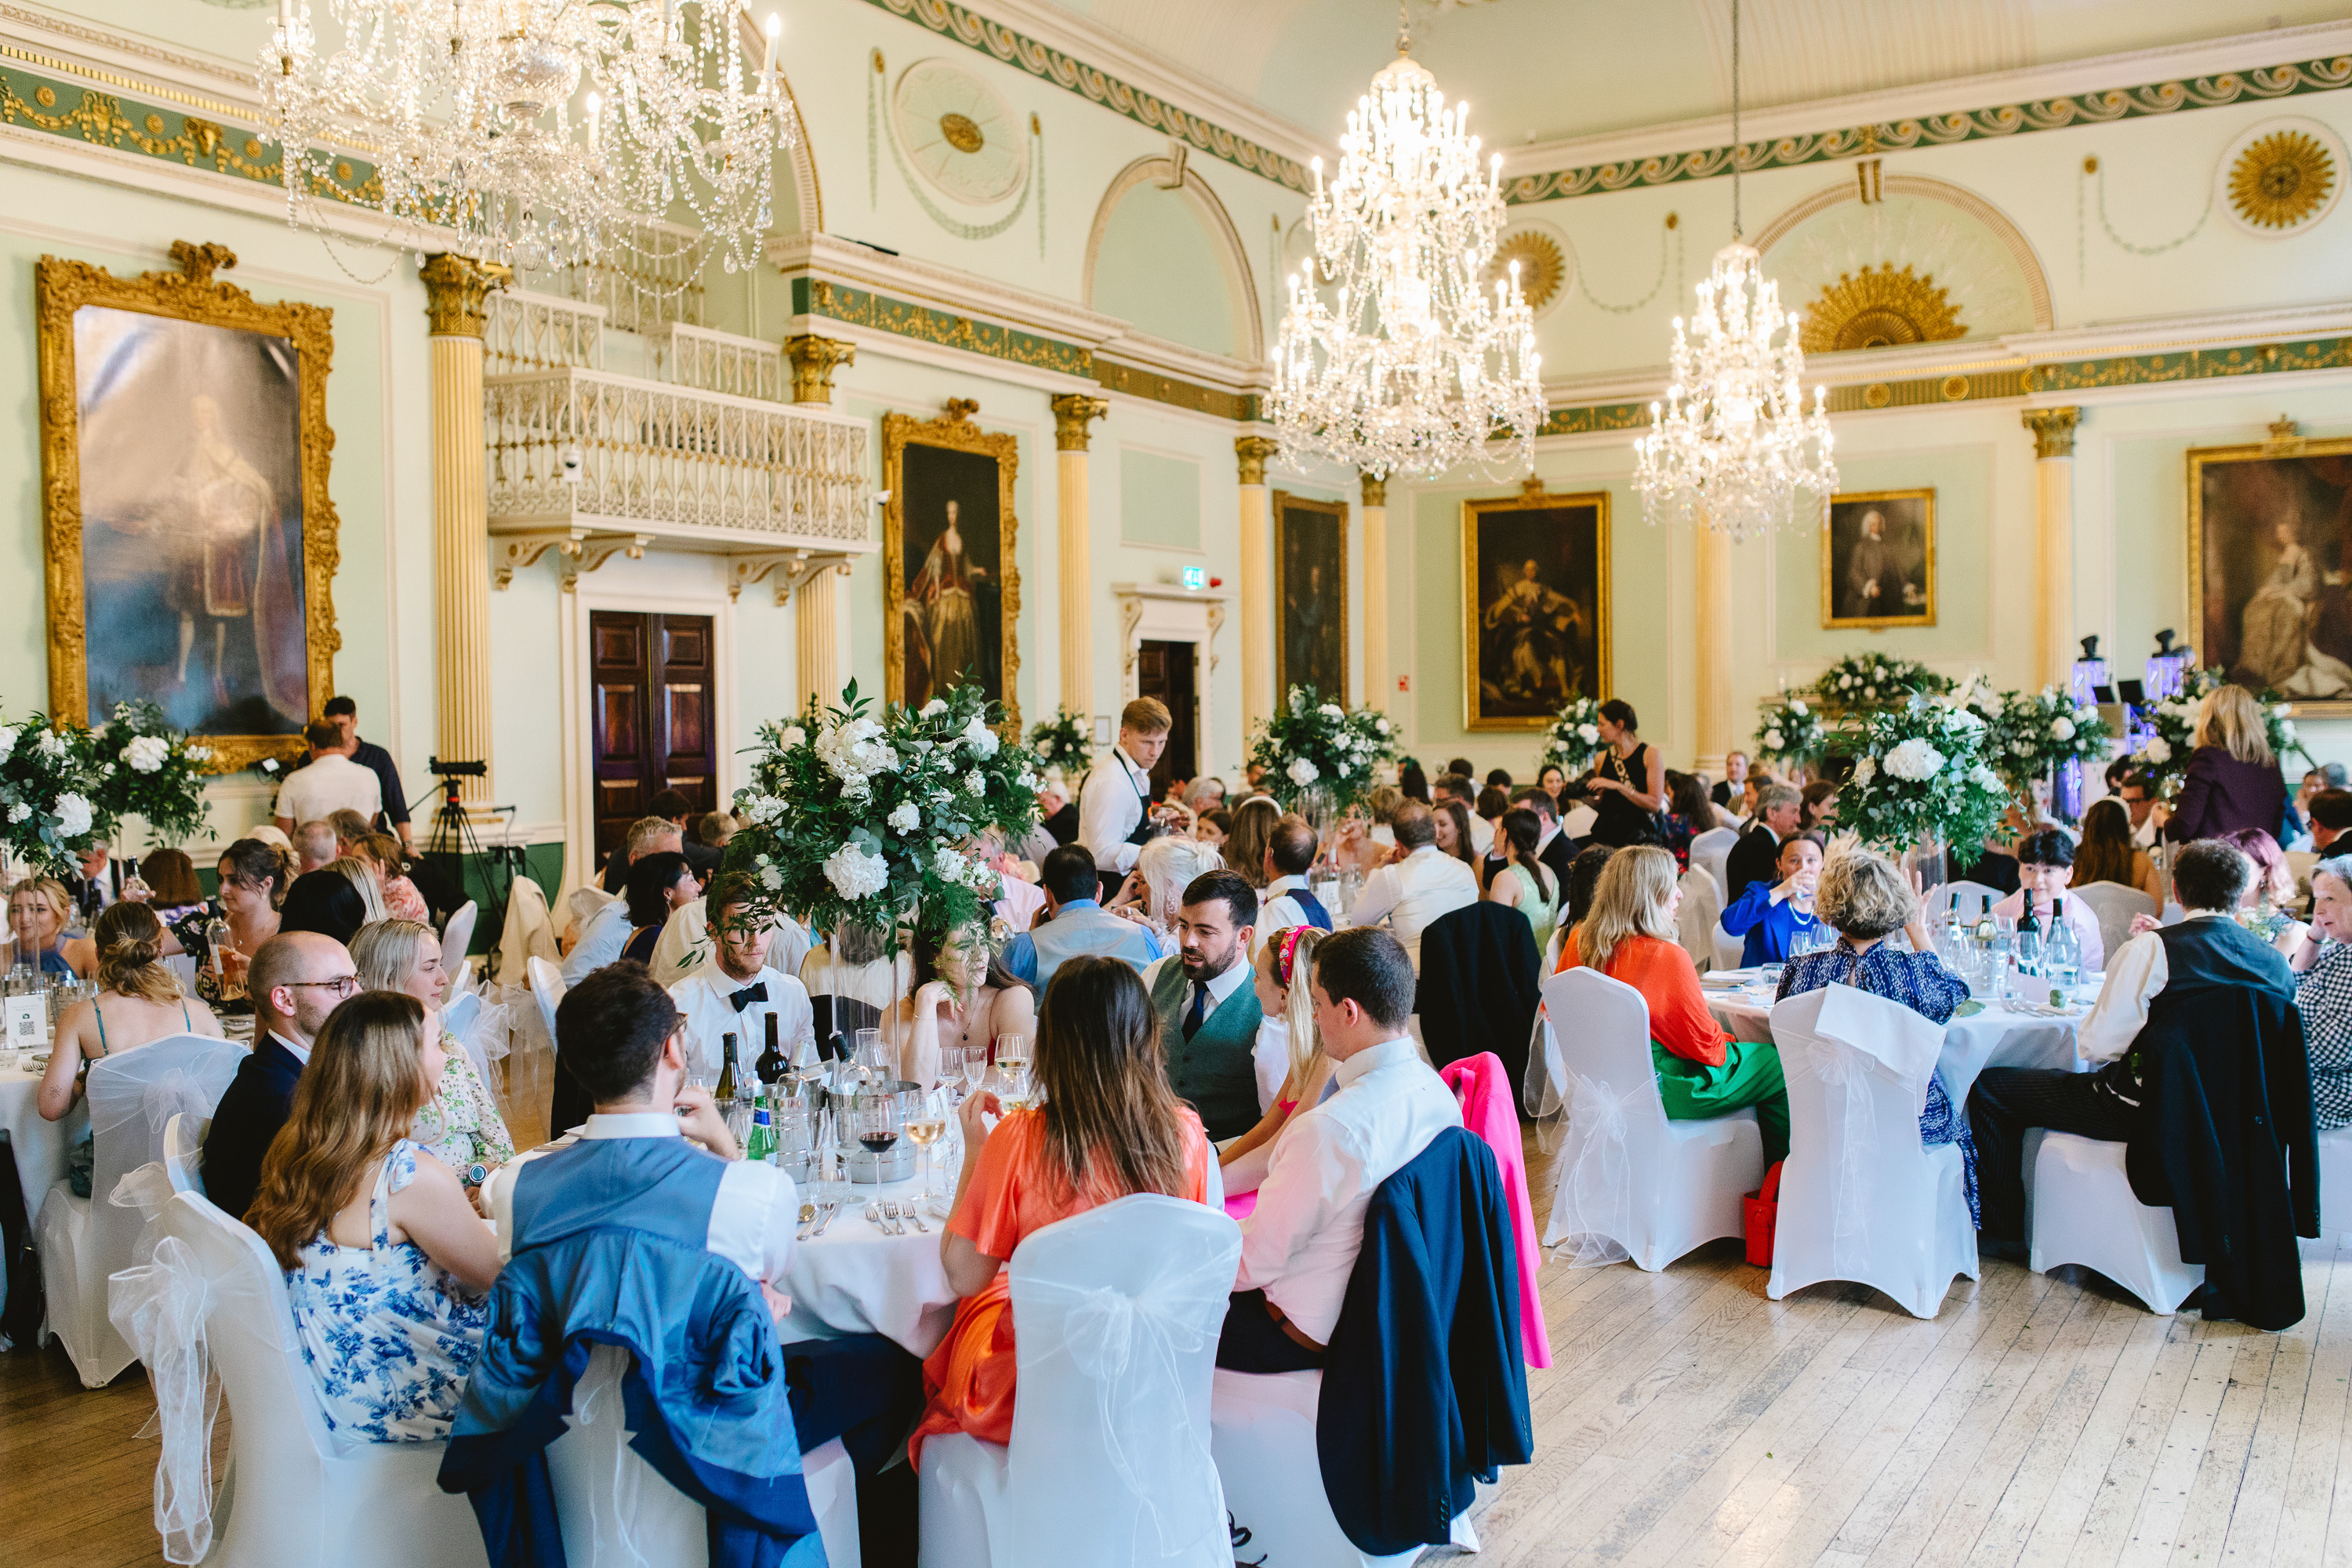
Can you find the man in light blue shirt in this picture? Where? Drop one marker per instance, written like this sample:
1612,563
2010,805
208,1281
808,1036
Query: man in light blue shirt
605,933
1076,924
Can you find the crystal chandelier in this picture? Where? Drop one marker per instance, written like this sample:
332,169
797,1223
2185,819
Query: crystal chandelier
483,142
1409,366
1728,448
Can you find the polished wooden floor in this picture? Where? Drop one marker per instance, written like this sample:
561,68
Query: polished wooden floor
1688,1420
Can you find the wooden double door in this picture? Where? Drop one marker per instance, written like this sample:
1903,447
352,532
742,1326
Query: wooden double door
653,709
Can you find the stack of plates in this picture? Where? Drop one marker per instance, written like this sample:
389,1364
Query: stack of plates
1729,978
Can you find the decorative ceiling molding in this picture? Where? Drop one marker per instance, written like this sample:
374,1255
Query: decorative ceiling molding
2012,238
1173,173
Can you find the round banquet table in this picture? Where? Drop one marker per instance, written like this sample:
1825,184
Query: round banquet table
40,1146
856,1278
2000,1036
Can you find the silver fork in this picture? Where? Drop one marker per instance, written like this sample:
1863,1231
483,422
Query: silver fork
909,1211
877,1214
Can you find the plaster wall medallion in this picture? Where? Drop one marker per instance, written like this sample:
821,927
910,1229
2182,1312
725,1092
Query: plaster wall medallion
1879,308
1546,263
959,133
2281,176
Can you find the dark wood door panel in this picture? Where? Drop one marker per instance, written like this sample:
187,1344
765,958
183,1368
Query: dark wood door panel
652,710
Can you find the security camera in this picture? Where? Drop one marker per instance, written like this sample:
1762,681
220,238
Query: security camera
571,464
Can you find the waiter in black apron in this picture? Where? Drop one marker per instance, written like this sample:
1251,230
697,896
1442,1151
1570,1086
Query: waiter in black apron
1114,805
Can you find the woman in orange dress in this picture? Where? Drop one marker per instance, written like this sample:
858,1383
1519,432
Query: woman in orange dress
1110,1126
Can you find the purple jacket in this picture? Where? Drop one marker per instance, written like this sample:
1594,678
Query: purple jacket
2221,794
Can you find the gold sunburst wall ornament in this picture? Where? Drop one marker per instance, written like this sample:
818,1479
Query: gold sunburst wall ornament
2283,176
1879,308
1543,265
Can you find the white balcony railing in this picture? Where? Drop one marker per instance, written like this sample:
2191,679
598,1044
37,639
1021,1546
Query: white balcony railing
671,461
525,332
653,277
718,361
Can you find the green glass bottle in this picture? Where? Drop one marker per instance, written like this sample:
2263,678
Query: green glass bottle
761,1147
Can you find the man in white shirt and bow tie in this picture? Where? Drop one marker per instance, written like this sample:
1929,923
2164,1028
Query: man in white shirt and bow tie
735,993
1299,1246
1421,884
1114,806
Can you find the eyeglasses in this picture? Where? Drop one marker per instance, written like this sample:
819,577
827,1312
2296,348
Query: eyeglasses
342,985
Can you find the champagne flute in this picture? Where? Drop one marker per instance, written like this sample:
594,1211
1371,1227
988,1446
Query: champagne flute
1012,1063
975,1068
927,1127
951,1066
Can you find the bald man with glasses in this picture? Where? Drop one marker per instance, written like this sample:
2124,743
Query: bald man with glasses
295,980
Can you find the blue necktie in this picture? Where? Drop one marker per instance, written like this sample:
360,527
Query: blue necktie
1193,1019
1312,907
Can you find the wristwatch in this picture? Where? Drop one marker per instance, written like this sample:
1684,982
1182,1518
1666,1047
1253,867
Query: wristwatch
476,1173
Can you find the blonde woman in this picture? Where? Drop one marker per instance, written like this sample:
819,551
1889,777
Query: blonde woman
460,1126
1629,935
387,1266
366,880
1287,1045
38,908
2233,779
1155,888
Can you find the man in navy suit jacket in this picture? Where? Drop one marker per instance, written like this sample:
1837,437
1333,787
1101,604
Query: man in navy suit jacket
295,981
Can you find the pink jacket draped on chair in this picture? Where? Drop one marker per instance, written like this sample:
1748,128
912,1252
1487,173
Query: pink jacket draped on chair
1484,1089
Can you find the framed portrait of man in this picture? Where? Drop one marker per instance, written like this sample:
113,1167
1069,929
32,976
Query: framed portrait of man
1310,596
191,540
1878,560
1535,575
2270,543
951,592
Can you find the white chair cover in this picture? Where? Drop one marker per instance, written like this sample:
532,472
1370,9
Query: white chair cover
184,1152
2335,1185
528,933
2081,1209
1629,1182
212,1300
580,903
1726,951
1696,927
1970,896
1262,1430
1712,849
547,989
2115,905
132,1095
456,940
1862,1198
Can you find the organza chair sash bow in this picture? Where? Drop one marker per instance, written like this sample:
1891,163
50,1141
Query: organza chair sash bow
160,1308
1857,1036
1597,1209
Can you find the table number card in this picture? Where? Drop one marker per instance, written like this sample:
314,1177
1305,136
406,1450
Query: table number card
29,1023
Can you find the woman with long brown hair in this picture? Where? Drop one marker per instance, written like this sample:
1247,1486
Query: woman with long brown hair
2107,853
387,1266
1109,1126
254,877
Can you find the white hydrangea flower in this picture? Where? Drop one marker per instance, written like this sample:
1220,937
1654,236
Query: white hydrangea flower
1773,740
1799,708
7,739
1345,770
1588,734
793,736
1381,725
1845,682
1962,718
1865,770
198,754
979,740
934,708
1303,772
1985,778
147,754
51,745
73,814
2062,728
1871,693
2286,728
771,877
906,818
854,873
1915,759
2158,750
1332,710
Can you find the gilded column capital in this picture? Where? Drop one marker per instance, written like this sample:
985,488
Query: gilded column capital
815,359
1376,490
1253,452
1073,412
456,292
2053,431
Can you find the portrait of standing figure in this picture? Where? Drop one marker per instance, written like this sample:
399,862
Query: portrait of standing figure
1536,580
1310,565
1878,560
2270,532
951,592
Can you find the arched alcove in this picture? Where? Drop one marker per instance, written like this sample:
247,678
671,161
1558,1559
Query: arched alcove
1164,255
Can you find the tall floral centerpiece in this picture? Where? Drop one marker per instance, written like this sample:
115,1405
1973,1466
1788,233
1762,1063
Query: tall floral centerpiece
1319,756
1062,744
2165,757
1921,777
141,766
1792,733
874,819
46,782
1863,682
1573,741
2034,733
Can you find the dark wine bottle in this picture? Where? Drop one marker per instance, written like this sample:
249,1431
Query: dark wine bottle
772,1064
725,1094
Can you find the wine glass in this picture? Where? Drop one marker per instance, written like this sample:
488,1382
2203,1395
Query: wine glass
975,1068
925,1127
1012,1069
878,1128
951,1066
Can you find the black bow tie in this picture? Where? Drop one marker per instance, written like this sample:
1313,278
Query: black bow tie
755,992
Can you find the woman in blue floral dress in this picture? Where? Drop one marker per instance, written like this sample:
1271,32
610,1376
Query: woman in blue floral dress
387,1265
1865,900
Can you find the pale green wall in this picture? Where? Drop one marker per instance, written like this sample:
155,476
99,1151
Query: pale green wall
1159,500
1158,268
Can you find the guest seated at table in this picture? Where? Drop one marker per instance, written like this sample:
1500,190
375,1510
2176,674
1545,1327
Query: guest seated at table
1366,839
1992,862
1154,891
1493,800
2045,870
1208,1012
366,878
1076,925
685,945
460,1125
1416,887
1769,914
1299,1244
1246,841
1866,901
2200,997
1458,788
1757,854
295,981
1451,820
1292,1069
387,1265
1283,898
1583,880
964,997
327,903
2108,855
1817,811
38,908
658,883
2322,962
2271,885
254,877
1524,883
736,991
1109,1125
603,933
1213,827
1688,814
173,890
1702,1072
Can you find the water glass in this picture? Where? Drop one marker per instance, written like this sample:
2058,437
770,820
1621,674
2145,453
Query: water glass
950,1066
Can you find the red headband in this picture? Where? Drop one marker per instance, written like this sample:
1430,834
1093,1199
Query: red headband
1286,948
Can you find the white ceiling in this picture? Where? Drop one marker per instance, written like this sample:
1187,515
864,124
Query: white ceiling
1541,70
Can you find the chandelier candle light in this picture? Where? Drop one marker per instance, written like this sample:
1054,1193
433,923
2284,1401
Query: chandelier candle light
533,133
1728,448
1409,366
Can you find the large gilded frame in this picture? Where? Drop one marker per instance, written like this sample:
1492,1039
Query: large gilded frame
1831,620
61,287
2283,445
1532,497
1284,504
953,429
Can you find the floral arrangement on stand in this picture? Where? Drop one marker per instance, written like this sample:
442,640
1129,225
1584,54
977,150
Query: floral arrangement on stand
46,782
141,766
1322,747
1573,742
1921,775
2165,757
1792,732
1062,743
870,820
1865,680
2034,732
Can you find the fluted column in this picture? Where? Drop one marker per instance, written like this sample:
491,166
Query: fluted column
815,359
1379,681
2053,553
1073,412
456,291
818,619
1258,696
1718,726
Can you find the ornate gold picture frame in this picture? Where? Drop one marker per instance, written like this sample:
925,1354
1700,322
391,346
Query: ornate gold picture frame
1878,560
1310,596
951,590
1536,615
189,531
2268,526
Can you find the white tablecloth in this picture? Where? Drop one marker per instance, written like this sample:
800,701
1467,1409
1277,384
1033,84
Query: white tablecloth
1996,1037
858,1279
40,1145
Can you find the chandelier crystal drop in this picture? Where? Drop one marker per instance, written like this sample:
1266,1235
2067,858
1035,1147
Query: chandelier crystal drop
1394,357
539,134
1734,444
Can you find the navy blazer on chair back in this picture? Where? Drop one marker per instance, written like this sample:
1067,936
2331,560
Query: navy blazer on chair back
251,1110
1481,978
